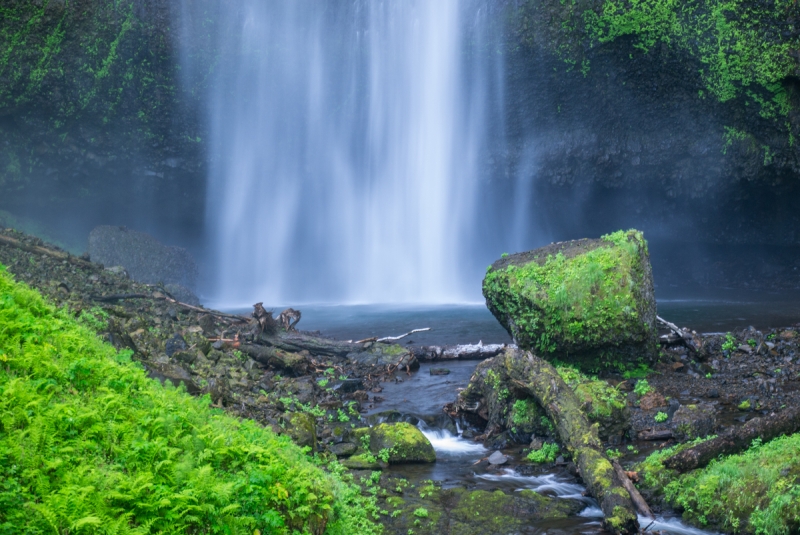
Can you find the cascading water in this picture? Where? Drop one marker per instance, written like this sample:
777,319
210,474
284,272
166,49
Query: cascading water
345,142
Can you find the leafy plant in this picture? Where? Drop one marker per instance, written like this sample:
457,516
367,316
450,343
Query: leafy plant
89,440
640,372
730,344
546,454
661,417
642,387
613,454
421,512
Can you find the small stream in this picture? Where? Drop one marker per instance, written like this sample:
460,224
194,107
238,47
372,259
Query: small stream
457,458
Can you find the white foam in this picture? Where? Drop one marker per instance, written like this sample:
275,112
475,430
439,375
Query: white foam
591,512
545,483
670,525
447,443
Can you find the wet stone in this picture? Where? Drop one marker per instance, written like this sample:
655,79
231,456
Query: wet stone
497,458
343,449
439,371
350,385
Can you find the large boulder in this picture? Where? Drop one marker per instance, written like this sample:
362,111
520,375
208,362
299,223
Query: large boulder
399,442
144,257
587,302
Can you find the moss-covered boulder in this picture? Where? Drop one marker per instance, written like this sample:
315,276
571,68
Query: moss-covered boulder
428,509
587,302
302,428
400,442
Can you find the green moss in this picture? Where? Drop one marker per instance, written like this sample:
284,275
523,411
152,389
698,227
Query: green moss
727,37
87,440
567,303
396,443
752,492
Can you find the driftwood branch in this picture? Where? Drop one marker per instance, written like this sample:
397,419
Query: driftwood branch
393,338
689,339
641,506
735,440
119,297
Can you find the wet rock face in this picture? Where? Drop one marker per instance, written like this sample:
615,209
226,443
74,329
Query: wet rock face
587,302
145,258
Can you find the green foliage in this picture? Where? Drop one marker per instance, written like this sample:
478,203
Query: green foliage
95,318
421,512
89,443
661,417
744,405
730,344
524,411
546,454
562,303
614,454
639,372
751,342
655,476
642,387
738,43
755,491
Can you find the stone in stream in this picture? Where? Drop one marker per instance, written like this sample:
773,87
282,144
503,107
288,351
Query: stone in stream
399,442
497,458
587,302
439,371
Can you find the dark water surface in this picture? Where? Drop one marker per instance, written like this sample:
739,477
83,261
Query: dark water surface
700,310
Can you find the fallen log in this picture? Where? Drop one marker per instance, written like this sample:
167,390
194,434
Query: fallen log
541,380
735,440
36,249
276,358
295,342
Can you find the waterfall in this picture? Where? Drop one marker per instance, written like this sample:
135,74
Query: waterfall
345,148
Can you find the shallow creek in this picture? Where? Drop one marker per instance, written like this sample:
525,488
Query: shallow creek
419,397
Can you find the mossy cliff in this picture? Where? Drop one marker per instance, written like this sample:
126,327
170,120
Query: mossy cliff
587,302
94,105
656,112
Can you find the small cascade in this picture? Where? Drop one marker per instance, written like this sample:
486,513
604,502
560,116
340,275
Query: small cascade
449,445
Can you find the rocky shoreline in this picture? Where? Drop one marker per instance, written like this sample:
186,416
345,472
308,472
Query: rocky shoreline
318,390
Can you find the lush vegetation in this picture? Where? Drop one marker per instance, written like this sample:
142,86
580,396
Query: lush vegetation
90,444
564,304
754,492
546,454
739,44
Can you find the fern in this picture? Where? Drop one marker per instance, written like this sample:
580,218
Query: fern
89,444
